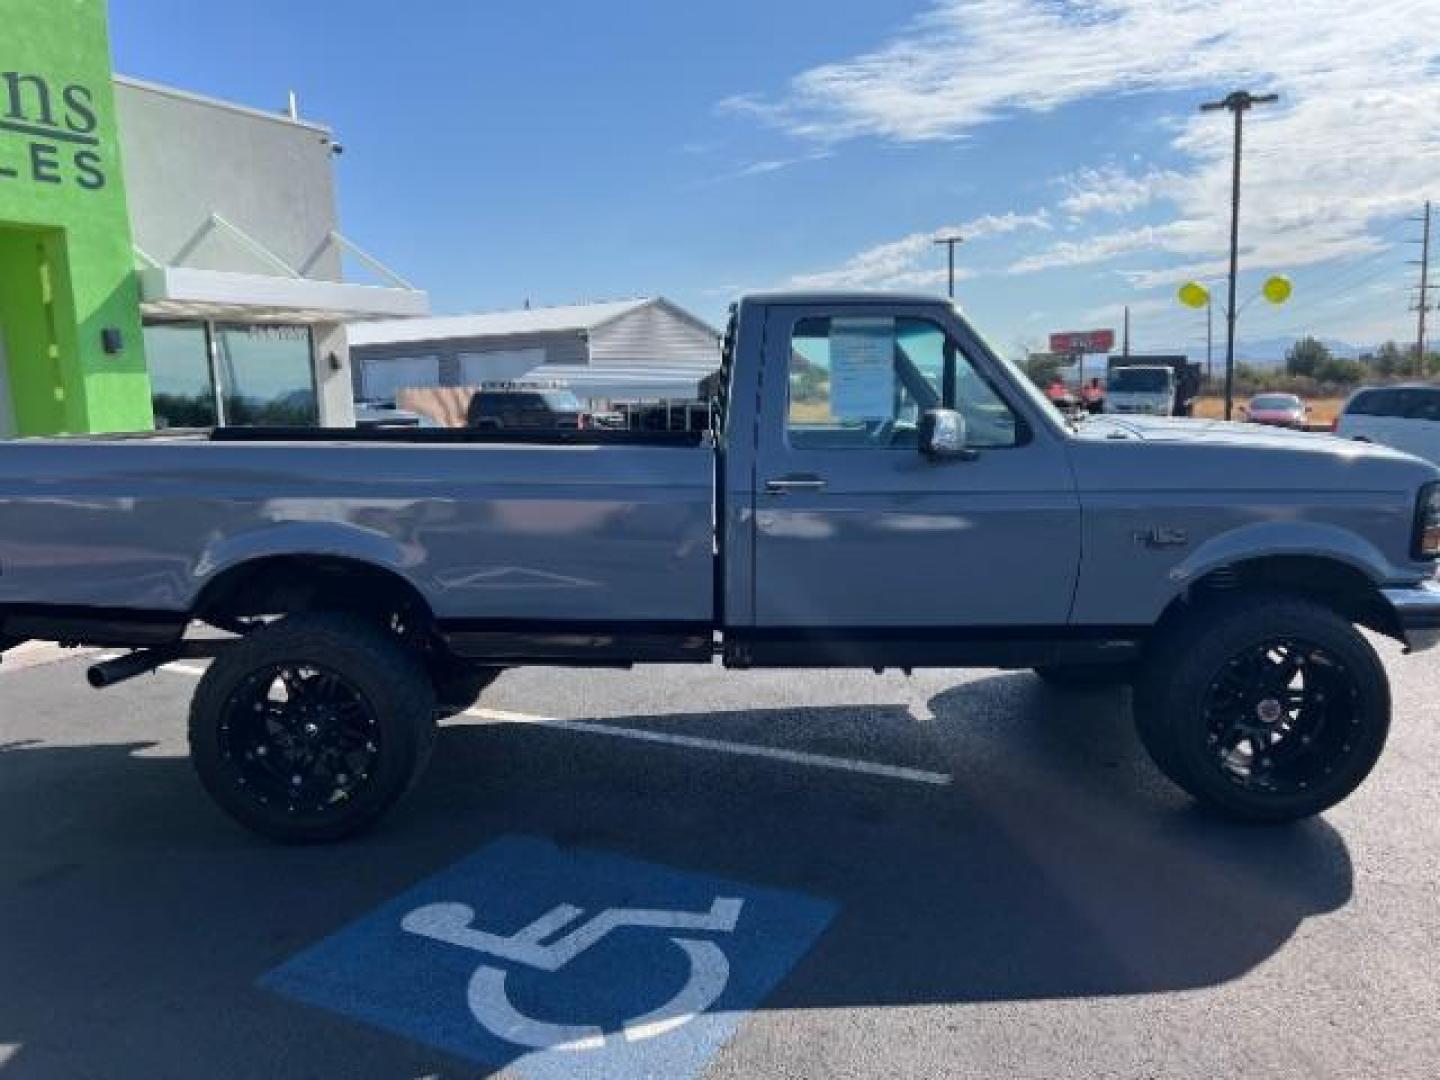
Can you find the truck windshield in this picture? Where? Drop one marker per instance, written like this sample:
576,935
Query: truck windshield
1140,381
561,401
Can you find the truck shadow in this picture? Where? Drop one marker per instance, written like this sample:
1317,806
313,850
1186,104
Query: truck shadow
1056,864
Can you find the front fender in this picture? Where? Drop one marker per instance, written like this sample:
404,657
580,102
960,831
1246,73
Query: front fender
1128,579
1264,539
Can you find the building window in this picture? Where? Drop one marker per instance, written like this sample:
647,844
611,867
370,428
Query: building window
382,380
498,365
268,376
181,388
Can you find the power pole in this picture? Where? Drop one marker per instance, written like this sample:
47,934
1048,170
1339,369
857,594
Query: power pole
1239,102
1125,348
950,242
1422,304
1210,343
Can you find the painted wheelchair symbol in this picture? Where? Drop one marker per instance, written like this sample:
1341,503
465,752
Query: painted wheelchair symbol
490,1003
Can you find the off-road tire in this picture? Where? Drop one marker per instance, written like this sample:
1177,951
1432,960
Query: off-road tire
1186,667
374,667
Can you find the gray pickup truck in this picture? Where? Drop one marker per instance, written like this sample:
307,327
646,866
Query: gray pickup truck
878,490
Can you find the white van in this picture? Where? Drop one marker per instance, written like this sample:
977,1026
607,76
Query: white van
1405,417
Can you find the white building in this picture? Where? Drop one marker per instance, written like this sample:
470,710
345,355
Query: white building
646,349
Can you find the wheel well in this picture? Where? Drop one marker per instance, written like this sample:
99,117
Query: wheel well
1348,592
287,584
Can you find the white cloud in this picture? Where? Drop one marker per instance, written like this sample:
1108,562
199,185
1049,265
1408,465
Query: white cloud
1353,141
764,167
1111,314
912,262
1111,190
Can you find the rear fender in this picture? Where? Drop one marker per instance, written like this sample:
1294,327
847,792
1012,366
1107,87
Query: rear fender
305,538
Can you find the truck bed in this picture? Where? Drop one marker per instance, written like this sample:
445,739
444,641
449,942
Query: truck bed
599,528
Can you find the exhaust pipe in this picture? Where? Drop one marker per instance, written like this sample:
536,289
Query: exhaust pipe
140,662
143,661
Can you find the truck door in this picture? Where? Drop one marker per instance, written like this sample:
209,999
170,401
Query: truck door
855,529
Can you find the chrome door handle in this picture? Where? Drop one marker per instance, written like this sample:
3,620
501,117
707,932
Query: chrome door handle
794,483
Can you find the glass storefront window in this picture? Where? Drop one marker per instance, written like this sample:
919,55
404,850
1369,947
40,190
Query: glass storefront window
181,390
267,375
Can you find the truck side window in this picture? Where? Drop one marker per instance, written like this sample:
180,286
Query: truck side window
863,382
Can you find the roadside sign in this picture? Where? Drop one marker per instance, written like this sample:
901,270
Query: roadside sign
1082,341
552,963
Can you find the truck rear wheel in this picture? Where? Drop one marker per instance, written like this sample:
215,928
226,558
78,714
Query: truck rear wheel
1266,708
309,729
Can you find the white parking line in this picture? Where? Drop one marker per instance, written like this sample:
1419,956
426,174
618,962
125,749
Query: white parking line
185,669
694,742
689,742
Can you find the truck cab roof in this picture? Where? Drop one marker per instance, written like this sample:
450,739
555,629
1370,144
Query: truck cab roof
840,296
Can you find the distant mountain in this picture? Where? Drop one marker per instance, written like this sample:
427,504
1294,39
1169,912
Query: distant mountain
1263,352
1270,352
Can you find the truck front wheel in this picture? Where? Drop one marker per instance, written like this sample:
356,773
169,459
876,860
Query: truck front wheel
1266,708
309,729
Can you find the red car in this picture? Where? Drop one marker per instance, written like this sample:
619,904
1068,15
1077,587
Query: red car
1277,410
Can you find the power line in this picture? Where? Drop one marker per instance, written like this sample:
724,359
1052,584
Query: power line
1346,277
1351,286
1347,280
1304,324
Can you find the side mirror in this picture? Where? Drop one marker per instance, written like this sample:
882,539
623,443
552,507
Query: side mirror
942,436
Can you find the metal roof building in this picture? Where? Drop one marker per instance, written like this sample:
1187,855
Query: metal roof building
642,349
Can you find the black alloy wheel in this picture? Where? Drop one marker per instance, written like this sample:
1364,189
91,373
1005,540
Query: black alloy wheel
1265,707
300,736
309,729
1279,716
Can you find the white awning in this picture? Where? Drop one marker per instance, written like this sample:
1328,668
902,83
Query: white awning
182,292
634,382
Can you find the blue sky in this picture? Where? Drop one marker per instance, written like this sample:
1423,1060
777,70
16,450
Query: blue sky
562,151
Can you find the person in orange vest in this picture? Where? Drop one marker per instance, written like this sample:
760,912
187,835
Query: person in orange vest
1094,397
1057,391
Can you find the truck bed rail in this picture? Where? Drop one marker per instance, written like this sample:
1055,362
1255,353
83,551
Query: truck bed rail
452,436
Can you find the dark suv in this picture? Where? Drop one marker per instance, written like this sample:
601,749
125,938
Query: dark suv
525,408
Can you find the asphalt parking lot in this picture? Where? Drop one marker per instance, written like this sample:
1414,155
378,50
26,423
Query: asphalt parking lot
1002,885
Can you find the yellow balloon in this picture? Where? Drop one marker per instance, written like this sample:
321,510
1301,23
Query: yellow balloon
1193,294
1277,289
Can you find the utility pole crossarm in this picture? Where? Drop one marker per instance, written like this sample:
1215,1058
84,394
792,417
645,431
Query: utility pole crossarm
949,243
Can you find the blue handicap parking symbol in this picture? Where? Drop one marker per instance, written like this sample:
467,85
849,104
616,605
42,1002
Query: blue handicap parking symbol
562,962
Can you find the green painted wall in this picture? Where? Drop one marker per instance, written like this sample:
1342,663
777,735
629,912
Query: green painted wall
66,261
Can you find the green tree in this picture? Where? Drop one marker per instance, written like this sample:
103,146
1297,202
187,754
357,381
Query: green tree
1306,356
809,382
1042,367
1340,371
1389,360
